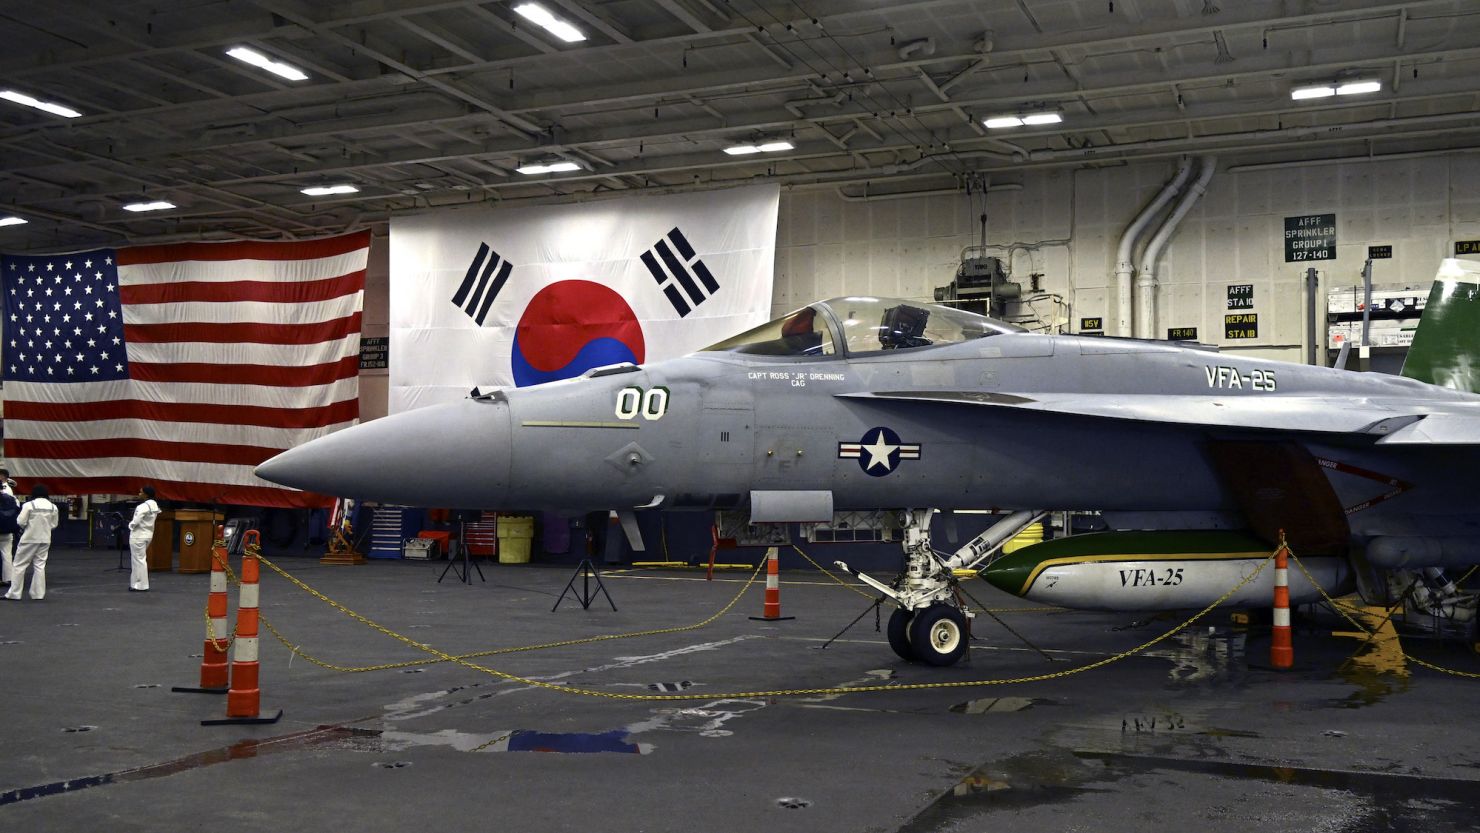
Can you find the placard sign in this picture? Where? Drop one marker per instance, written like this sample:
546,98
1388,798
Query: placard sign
1241,296
1379,252
1241,325
1182,334
1312,237
374,353
1467,247
1091,324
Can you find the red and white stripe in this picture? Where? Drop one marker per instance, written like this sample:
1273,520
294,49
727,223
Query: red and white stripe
245,697
214,672
1281,647
236,351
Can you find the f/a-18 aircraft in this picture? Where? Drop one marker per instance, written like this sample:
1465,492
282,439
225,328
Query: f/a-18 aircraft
873,403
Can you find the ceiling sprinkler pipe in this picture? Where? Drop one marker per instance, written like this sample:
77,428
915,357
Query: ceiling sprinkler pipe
1124,264
924,47
1146,281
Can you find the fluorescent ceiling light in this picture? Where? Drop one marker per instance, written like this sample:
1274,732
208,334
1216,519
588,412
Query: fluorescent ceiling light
257,59
552,24
1319,91
1042,118
1359,87
551,168
997,122
763,147
157,205
11,221
326,190
54,109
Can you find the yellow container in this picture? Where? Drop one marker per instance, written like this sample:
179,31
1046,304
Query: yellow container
516,526
513,550
1031,534
515,536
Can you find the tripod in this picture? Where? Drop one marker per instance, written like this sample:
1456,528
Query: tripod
116,528
464,570
585,572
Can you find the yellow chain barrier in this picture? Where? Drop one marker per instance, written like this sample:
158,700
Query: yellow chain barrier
566,689
1342,609
494,652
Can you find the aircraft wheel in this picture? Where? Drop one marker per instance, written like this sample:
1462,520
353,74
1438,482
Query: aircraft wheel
938,635
899,633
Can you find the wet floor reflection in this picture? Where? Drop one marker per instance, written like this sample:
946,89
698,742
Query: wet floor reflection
1208,655
1378,668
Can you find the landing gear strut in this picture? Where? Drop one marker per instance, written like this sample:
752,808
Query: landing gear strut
930,625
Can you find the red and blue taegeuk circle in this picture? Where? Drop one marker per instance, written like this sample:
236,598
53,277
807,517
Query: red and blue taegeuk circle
570,327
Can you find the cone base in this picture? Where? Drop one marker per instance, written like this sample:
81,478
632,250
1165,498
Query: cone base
240,721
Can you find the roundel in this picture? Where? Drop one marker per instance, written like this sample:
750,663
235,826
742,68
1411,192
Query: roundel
570,327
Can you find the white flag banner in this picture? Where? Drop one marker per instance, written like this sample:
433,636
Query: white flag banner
522,295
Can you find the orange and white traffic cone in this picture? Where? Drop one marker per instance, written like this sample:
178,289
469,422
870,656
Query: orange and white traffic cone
243,701
1281,650
214,672
771,611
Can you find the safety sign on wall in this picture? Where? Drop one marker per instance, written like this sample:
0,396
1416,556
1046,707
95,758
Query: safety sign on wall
1241,325
1241,296
375,353
1312,237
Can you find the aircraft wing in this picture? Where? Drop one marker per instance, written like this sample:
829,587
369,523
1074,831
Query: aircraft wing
1389,422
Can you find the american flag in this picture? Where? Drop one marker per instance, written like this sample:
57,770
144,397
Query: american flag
181,366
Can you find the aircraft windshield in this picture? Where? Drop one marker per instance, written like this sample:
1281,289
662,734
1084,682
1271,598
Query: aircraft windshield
874,324
802,333
869,325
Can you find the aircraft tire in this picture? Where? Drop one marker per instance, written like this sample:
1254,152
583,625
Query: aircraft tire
938,635
899,633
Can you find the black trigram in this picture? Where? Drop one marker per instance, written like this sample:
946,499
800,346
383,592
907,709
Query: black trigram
685,268
475,295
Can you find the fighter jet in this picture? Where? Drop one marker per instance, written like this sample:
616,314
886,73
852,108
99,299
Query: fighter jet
875,403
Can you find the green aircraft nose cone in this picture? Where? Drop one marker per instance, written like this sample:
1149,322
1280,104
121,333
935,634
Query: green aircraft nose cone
1011,572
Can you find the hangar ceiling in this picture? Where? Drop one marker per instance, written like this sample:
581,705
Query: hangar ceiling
432,102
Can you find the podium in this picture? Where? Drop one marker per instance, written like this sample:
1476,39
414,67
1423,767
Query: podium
161,556
197,534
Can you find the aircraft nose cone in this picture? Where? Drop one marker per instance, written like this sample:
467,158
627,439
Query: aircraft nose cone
1011,573
454,455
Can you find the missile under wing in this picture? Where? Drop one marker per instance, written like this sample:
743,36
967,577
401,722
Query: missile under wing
872,403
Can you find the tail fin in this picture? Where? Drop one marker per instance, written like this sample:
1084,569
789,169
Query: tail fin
1446,345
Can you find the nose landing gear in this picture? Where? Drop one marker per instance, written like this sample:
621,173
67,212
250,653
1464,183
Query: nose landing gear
929,624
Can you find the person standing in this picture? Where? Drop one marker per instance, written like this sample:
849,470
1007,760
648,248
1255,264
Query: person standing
7,485
38,518
9,510
140,533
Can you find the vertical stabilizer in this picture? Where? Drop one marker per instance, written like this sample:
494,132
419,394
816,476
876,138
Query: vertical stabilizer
1446,345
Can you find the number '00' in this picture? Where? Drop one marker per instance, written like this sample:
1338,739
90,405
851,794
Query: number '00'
652,404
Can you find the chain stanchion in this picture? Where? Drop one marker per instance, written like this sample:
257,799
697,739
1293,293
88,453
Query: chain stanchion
244,699
214,671
1281,649
771,608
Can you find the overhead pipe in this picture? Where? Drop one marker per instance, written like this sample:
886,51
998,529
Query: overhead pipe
1146,281
1124,263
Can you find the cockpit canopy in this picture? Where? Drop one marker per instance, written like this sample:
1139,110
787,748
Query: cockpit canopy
860,325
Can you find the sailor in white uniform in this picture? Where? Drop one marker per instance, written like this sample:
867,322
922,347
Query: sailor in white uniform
140,533
37,519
